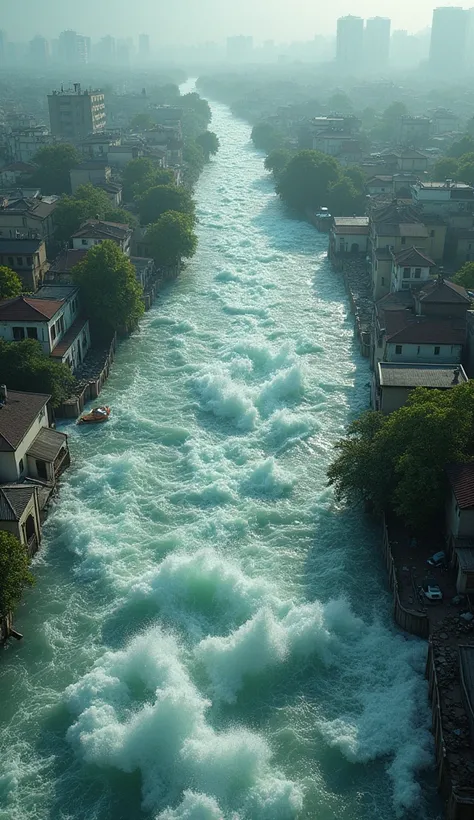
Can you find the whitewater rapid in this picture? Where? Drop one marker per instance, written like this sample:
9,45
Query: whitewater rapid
210,635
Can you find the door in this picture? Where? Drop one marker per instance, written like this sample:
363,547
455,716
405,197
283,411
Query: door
41,470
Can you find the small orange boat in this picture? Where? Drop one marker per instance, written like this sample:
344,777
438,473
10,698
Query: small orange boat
96,416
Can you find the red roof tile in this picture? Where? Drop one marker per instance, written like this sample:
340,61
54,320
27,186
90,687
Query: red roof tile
461,478
25,309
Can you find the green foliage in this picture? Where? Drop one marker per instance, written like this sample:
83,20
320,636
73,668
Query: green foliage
171,239
461,147
394,112
209,142
24,366
167,94
141,174
266,137
140,122
156,201
445,168
312,179
14,572
109,289
398,461
196,115
116,214
277,160
87,203
339,103
10,283
356,176
55,163
194,161
466,169
465,276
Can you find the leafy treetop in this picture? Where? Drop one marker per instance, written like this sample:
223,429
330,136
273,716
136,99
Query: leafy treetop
209,142
24,366
171,239
156,201
10,283
54,164
14,572
465,276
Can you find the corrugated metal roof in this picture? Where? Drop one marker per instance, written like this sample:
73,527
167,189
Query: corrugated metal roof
47,444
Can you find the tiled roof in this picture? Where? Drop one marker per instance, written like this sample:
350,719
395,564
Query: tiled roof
444,292
14,500
403,327
17,415
29,309
99,228
63,346
413,257
47,444
414,229
439,376
396,214
461,478
345,221
67,260
32,206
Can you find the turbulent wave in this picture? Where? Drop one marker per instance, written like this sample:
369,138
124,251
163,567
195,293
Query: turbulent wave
209,637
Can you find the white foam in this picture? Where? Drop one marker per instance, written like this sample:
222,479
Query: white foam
226,400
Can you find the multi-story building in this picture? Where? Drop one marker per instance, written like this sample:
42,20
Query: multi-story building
377,41
31,217
23,143
449,32
95,231
74,113
350,42
73,48
443,198
27,257
39,51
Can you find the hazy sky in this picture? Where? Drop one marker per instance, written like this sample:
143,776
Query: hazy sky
189,21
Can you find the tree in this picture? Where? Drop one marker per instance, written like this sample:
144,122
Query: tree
266,137
463,146
141,174
466,168
54,164
14,572
24,366
194,161
87,203
10,283
306,180
140,122
398,461
156,201
465,276
394,112
445,168
343,199
340,103
171,239
209,142
116,214
277,160
109,288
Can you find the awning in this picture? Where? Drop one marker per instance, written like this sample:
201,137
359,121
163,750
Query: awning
47,444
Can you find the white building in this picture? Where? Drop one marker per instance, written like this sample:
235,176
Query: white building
410,267
95,231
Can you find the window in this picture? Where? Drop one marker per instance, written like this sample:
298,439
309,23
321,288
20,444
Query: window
398,350
383,280
84,241
406,273
32,332
61,324
25,222
18,333
432,233
418,350
437,351
21,466
404,240
53,332
19,261
417,273
11,261
29,260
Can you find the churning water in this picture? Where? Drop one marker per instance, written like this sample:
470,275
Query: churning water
210,636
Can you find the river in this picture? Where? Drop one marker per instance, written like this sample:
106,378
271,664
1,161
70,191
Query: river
210,635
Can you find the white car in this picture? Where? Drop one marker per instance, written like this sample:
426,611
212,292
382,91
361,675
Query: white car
437,560
432,591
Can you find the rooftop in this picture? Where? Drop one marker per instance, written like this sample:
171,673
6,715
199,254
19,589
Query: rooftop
97,228
413,257
47,444
63,346
14,499
23,246
449,184
461,479
414,229
29,309
442,291
17,415
67,260
438,376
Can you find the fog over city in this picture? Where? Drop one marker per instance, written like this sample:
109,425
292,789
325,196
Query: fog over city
189,21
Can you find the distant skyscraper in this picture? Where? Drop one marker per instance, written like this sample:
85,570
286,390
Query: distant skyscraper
144,47
239,49
377,41
105,50
449,33
350,42
74,49
39,51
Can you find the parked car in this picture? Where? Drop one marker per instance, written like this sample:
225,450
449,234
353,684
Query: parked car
431,591
437,560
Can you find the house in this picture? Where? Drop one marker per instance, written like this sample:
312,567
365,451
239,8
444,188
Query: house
60,271
382,184
29,447
95,231
462,246
96,146
12,174
406,160
92,172
27,257
23,143
53,317
443,198
393,382
113,190
31,215
460,523
410,267
428,326
118,156
20,514
349,235
413,130
443,122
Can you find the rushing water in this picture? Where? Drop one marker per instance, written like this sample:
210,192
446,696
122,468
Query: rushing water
210,636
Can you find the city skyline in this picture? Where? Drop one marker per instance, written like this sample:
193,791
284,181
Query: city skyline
214,20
